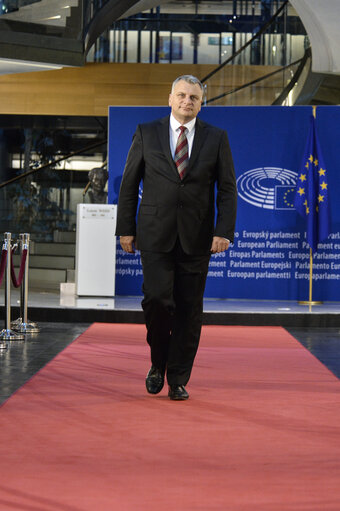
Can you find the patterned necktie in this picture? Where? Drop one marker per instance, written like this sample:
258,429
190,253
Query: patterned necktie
181,152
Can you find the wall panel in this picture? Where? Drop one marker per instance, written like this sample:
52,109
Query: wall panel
90,90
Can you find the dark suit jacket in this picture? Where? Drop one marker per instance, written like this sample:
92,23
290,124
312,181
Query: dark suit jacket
171,207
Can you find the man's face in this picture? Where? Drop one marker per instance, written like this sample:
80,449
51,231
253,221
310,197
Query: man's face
185,101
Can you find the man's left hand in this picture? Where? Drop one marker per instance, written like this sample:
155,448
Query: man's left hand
219,245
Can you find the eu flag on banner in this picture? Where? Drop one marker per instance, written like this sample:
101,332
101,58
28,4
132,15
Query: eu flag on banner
311,197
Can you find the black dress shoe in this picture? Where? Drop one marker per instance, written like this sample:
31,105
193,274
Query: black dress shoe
178,393
155,380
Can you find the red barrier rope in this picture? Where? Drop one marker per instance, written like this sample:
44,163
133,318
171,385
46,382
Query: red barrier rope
3,264
17,281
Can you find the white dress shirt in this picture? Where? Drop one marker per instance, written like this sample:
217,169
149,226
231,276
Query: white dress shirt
175,131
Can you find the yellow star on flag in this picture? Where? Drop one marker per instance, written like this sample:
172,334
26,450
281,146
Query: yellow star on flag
311,198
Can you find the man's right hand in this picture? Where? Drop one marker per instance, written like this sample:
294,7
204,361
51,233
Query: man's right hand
128,243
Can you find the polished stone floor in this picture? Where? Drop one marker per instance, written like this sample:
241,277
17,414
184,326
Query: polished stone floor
22,359
57,300
323,343
56,306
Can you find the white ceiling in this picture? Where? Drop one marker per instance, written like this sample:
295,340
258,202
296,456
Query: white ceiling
322,21
9,66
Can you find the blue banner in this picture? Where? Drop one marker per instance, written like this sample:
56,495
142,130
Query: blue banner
270,256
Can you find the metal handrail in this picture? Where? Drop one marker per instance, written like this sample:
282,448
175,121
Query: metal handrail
96,14
260,32
281,98
253,82
54,162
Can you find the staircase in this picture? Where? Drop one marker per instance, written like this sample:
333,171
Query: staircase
46,32
51,263
45,12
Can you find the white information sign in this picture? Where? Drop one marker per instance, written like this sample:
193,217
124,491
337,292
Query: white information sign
96,250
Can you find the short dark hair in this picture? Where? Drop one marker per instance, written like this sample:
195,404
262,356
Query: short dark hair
189,79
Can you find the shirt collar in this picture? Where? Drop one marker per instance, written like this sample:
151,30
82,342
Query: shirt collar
174,124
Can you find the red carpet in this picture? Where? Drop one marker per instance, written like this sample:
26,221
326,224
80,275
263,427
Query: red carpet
260,432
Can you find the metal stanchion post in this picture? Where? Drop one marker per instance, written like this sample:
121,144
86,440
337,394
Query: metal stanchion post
22,324
3,343
6,334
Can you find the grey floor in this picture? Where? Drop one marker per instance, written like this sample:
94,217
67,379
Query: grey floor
22,359
54,299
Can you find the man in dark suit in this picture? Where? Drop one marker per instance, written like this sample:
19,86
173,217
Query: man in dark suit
181,160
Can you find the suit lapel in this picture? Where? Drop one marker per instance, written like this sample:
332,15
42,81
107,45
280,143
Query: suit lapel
197,144
164,136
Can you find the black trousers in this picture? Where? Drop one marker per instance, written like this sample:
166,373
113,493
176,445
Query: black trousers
173,288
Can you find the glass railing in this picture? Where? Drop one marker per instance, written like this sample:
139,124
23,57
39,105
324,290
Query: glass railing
204,33
262,90
40,206
49,180
235,82
96,16
177,48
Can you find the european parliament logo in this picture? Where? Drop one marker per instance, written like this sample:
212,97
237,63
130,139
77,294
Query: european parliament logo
284,197
268,187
